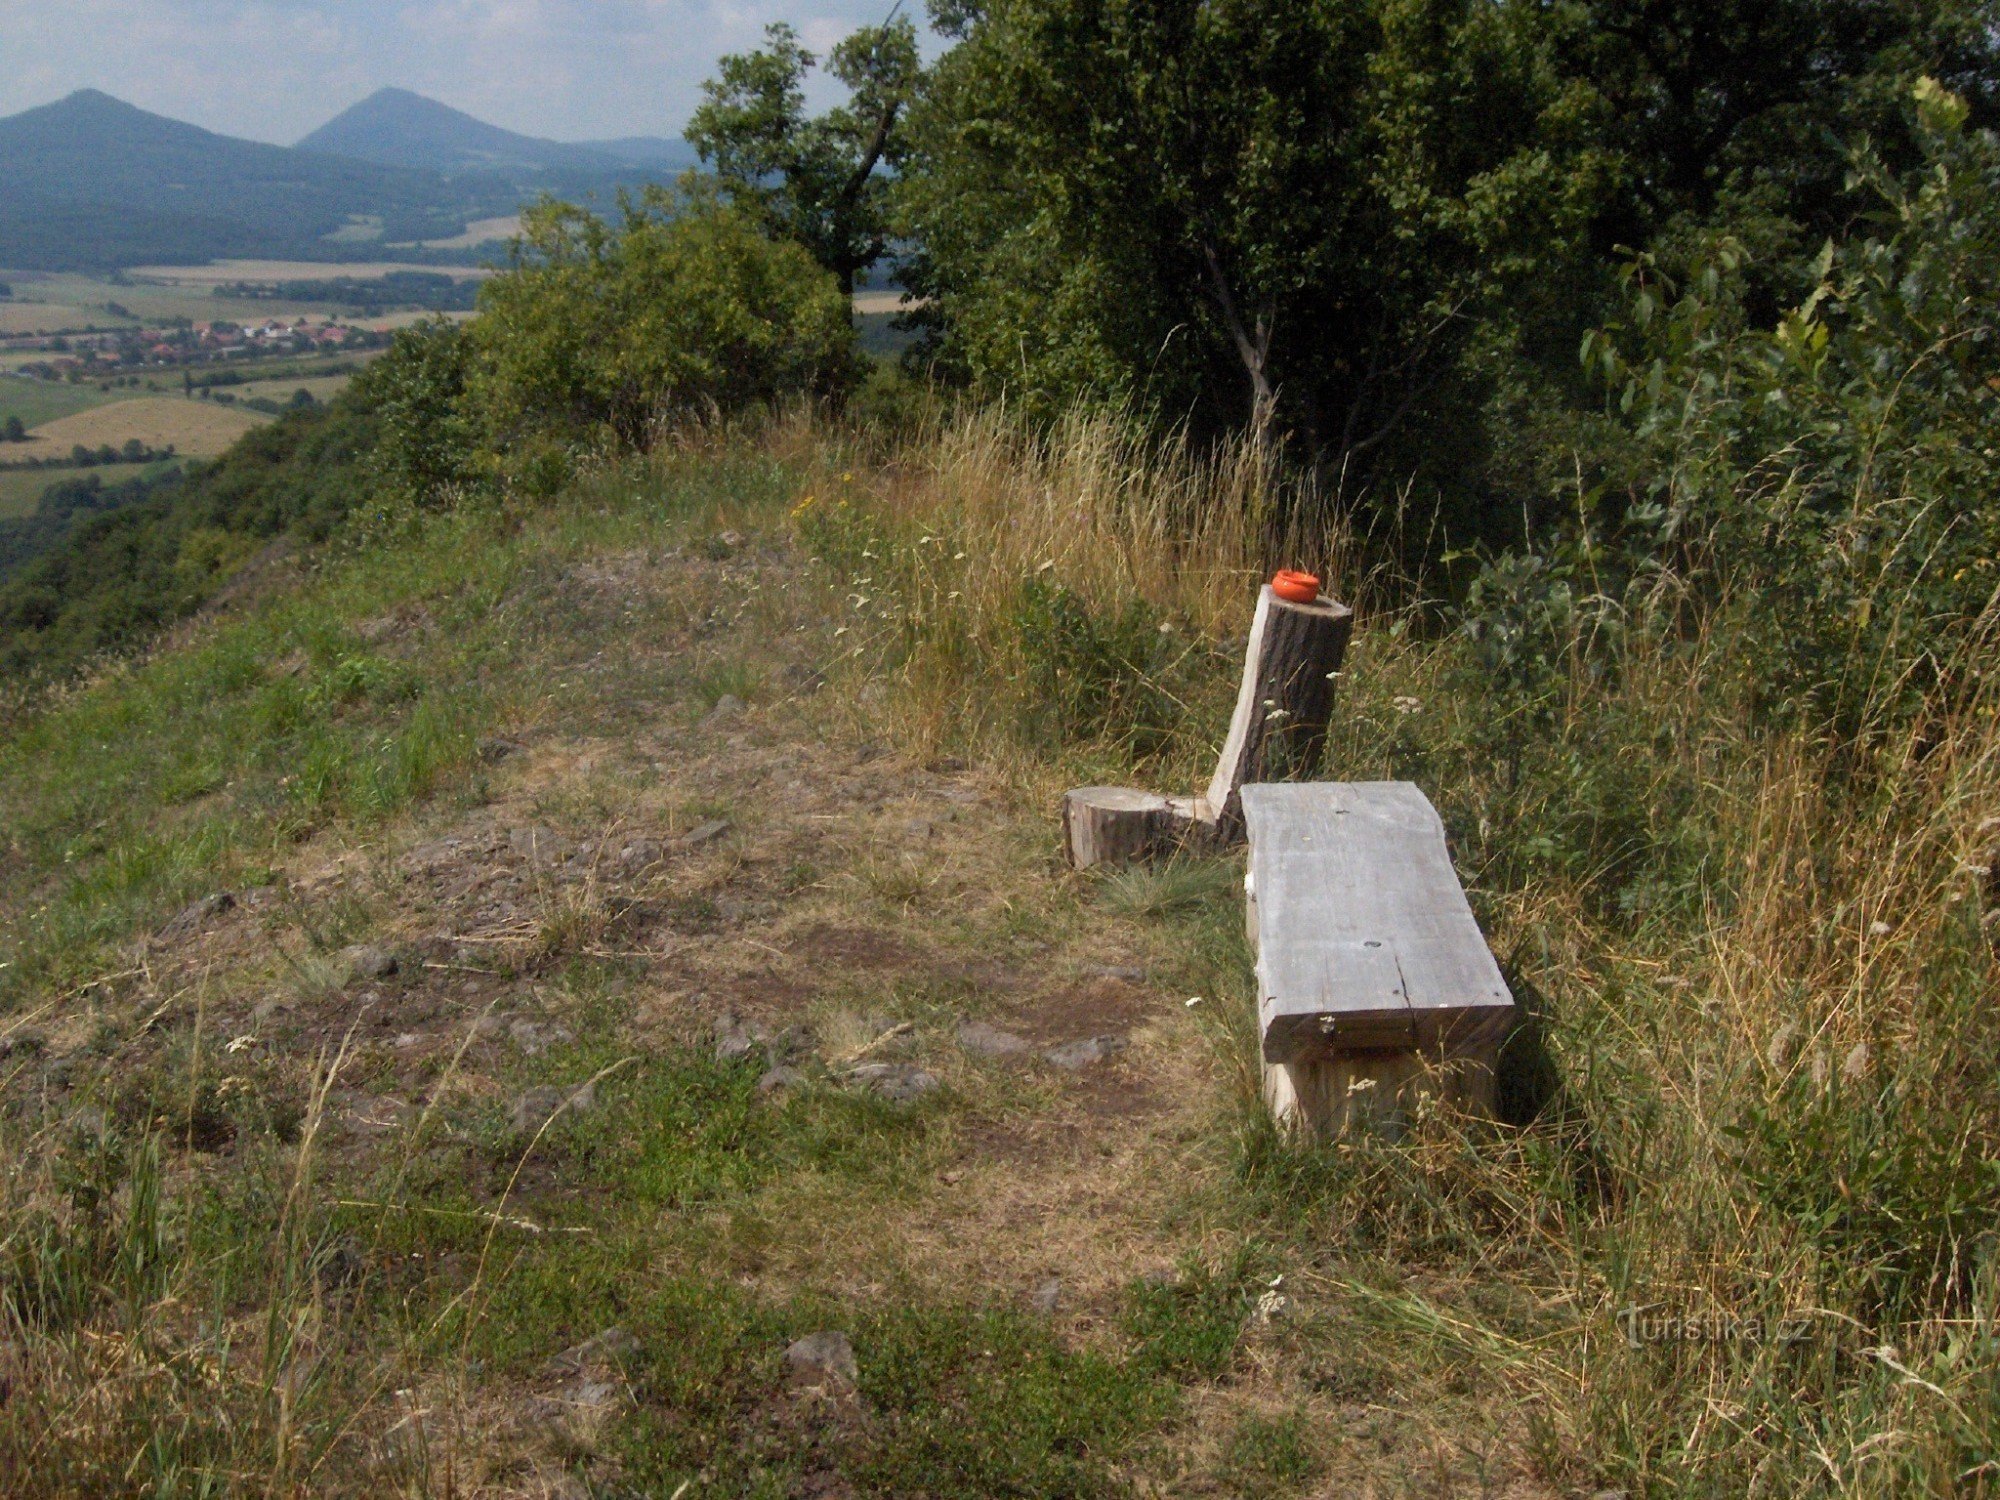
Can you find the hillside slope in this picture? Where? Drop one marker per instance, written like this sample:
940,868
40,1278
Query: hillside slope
93,183
395,127
551,891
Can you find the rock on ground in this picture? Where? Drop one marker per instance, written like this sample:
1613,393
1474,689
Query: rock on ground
983,1040
1078,1055
824,1358
901,1083
368,961
538,1106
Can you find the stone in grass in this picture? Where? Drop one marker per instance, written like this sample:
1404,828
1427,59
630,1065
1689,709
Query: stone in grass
779,1078
1043,1299
1124,973
734,1038
613,1347
1076,1056
538,1106
536,1037
367,961
982,1040
704,833
823,1359
727,707
899,1083
196,915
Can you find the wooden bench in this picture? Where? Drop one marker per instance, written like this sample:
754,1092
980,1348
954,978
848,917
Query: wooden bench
1374,982
1283,708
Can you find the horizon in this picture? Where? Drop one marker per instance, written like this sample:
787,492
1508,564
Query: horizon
276,70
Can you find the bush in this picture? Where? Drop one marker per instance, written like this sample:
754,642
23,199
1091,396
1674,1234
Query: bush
683,309
1830,472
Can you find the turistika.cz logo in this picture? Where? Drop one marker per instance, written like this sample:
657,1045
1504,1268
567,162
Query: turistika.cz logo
1651,1325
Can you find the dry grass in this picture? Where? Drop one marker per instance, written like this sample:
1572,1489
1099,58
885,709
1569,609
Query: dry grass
195,429
1756,961
1757,954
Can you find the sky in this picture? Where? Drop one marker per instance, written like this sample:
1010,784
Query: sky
272,70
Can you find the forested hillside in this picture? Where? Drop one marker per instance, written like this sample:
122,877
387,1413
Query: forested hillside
92,183
533,953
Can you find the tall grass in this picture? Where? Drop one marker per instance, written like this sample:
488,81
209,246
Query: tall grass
1756,1107
1081,577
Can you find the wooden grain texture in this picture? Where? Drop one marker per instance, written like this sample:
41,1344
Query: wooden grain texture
1121,825
1374,981
1284,703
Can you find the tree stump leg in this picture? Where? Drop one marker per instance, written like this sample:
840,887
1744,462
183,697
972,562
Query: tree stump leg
1379,1091
1120,825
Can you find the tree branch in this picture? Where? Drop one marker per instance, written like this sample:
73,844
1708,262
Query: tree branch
1252,347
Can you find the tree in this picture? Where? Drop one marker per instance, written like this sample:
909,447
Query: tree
16,430
818,181
1244,212
686,306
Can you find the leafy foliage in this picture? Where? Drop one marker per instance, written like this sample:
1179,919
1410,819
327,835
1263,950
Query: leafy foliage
122,575
1839,458
683,308
813,180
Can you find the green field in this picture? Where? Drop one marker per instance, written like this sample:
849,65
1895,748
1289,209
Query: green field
39,401
36,402
20,489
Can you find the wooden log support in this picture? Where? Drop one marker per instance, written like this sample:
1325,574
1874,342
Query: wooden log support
1375,985
1283,708
1120,825
1284,704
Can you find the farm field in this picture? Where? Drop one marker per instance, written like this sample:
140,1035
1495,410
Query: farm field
52,303
196,429
484,232
39,401
49,303
223,272
284,387
20,489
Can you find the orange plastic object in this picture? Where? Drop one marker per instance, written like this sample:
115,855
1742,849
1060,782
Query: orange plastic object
1296,588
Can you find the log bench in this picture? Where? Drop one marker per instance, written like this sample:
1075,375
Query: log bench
1375,985
1283,708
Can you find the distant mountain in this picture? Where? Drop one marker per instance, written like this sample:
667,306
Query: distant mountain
90,183
662,153
400,129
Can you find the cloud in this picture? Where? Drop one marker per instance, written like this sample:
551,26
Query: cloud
276,69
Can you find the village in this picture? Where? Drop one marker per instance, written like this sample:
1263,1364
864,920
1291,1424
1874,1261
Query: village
186,346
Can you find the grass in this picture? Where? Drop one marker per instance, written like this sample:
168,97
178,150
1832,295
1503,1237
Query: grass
268,1220
1720,931
195,429
38,401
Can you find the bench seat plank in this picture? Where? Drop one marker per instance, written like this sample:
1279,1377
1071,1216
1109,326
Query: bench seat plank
1365,941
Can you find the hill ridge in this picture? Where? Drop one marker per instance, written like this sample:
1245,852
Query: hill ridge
398,127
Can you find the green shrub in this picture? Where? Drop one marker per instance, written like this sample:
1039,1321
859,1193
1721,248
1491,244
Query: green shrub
1829,476
683,309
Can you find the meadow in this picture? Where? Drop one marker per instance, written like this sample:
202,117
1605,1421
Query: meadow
478,740
39,401
193,428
